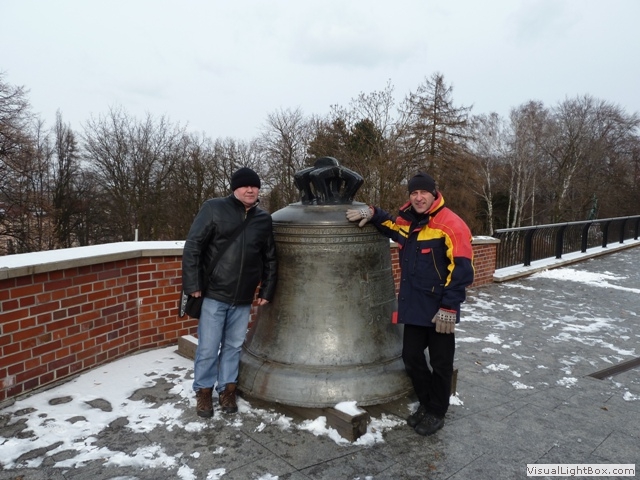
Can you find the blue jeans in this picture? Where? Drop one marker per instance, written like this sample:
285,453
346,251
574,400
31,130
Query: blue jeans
221,332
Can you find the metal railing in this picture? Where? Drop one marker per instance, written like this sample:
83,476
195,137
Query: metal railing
523,245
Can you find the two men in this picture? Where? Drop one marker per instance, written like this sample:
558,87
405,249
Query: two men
248,260
436,267
435,256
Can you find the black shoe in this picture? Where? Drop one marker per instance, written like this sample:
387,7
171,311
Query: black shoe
429,425
416,417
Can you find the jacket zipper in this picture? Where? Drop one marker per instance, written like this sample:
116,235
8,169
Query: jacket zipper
235,296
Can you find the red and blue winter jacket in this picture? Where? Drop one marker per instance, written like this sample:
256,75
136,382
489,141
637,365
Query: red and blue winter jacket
436,260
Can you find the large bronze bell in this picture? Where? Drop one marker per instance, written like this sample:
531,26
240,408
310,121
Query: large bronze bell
327,337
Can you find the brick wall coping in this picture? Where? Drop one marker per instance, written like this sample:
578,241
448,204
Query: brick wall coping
483,240
21,264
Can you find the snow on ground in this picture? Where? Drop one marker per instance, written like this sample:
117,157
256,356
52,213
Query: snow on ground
72,414
585,325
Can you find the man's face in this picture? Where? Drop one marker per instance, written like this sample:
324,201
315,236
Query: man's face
247,195
421,200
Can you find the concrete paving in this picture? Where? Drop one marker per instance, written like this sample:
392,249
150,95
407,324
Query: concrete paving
525,353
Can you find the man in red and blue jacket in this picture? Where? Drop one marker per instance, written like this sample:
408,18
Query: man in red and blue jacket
436,262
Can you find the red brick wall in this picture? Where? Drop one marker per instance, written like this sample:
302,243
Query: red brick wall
58,323
395,265
484,263
62,322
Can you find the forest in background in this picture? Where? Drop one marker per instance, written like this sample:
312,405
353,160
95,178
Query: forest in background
122,176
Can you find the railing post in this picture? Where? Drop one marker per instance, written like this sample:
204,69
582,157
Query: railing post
622,227
584,240
528,239
605,233
560,241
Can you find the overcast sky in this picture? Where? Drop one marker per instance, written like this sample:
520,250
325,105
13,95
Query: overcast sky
220,67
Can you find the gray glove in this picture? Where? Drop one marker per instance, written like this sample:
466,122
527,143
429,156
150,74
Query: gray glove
445,320
363,214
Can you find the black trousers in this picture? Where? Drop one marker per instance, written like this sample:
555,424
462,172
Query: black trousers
432,380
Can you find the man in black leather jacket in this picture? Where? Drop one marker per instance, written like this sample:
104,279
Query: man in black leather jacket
248,262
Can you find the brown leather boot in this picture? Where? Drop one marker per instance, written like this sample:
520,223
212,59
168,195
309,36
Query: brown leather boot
204,405
228,399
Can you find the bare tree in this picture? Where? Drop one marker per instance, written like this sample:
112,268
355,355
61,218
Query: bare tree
150,177
231,154
607,177
194,180
64,184
25,193
283,145
90,228
133,161
15,118
16,145
490,145
526,157
632,170
203,170
364,137
25,154
585,137
42,237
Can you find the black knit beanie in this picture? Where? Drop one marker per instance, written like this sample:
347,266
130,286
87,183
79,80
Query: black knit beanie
245,177
423,181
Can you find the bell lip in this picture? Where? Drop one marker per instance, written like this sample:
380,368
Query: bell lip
372,384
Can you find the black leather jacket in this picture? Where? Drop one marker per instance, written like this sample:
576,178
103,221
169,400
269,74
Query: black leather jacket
249,261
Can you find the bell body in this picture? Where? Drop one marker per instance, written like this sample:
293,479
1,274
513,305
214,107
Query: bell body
327,337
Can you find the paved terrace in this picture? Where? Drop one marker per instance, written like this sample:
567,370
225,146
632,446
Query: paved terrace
525,353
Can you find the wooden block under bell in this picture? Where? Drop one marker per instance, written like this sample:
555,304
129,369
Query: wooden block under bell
350,427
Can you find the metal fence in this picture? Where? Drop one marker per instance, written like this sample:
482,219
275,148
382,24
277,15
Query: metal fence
523,245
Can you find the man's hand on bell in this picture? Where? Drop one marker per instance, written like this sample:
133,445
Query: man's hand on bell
363,215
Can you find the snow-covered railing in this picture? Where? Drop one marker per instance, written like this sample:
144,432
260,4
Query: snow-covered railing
524,245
